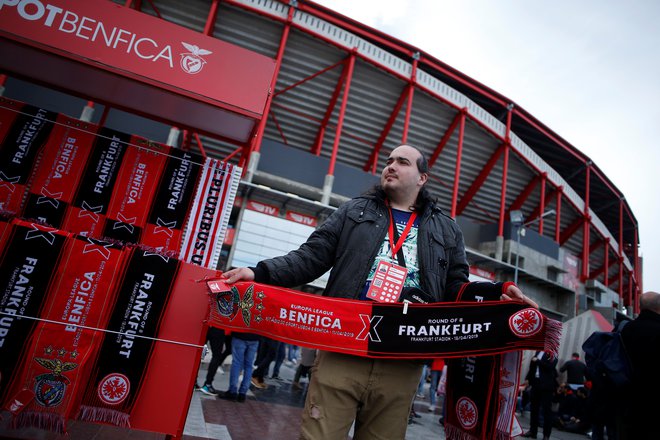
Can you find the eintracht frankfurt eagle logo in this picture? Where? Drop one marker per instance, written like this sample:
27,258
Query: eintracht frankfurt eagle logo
526,322
467,413
192,62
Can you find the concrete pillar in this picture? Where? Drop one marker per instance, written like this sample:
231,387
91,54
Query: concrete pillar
499,247
87,114
173,137
253,164
327,188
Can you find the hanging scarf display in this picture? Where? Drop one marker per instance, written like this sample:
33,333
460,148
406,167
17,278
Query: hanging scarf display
122,362
171,205
61,352
86,215
207,224
63,159
28,260
23,130
384,330
481,394
134,190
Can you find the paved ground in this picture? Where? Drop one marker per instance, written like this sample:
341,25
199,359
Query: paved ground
273,413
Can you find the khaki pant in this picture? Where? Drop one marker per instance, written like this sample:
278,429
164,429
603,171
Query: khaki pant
375,393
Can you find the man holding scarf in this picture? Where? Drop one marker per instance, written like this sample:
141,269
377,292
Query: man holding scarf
396,228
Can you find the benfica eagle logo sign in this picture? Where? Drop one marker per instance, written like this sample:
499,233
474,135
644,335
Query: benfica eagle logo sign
192,62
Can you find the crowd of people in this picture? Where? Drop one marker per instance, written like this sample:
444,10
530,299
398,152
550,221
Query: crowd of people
587,403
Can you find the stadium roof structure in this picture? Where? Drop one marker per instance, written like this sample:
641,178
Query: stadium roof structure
350,93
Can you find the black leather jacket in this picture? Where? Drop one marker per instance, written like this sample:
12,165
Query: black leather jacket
349,240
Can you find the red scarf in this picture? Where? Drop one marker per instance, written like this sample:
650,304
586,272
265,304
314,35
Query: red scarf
60,167
118,375
28,258
21,137
134,190
60,353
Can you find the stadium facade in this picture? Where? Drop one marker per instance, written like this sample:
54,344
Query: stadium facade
342,95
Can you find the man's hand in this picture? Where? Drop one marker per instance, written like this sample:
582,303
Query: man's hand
513,292
238,274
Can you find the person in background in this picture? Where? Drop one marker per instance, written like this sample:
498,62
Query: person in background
244,348
576,371
217,340
542,379
436,373
268,349
307,357
640,408
357,239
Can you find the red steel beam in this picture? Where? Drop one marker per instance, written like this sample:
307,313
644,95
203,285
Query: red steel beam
480,179
199,144
372,162
312,76
524,194
544,178
256,145
559,192
606,264
342,112
587,223
460,116
457,172
411,94
210,19
320,134
570,230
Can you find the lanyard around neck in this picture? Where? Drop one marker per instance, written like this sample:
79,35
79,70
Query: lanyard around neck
395,247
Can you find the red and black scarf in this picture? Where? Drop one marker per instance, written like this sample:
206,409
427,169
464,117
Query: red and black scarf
170,208
122,362
134,190
29,256
23,131
86,214
64,344
380,330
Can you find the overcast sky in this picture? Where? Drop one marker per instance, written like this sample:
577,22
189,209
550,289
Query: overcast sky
587,69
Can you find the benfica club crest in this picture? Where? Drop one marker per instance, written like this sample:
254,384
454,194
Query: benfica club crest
526,322
50,388
230,302
192,62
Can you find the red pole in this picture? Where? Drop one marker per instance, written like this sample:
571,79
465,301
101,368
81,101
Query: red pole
210,19
411,93
558,214
586,226
459,154
505,170
607,262
256,145
342,112
544,177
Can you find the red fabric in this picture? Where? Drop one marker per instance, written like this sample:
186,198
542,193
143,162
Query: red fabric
59,357
61,165
438,364
385,330
134,190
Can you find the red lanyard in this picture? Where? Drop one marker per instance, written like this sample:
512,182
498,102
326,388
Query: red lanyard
404,234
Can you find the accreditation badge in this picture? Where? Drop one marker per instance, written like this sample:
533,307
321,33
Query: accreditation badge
387,283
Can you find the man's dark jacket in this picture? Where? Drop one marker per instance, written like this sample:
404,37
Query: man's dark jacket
349,240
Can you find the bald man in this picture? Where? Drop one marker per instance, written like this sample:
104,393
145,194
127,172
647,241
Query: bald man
398,224
641,338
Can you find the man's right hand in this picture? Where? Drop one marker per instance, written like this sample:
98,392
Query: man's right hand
238,274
